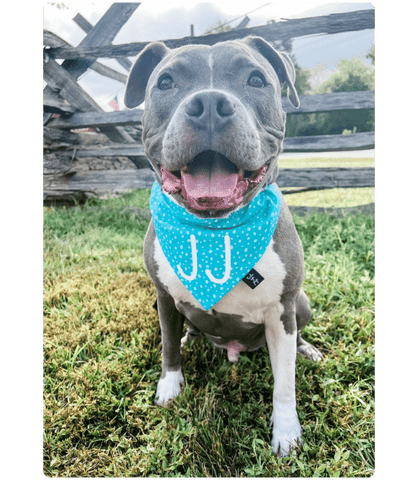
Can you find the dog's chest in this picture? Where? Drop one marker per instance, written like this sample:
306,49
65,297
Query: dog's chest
250,304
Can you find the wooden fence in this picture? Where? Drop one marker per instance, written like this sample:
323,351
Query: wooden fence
67,108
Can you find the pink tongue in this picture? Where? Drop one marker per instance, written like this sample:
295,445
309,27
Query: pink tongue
217,185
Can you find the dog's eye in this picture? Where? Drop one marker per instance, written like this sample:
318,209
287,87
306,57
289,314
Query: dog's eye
257,80
165,82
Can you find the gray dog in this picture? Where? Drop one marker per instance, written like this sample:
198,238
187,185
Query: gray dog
222,249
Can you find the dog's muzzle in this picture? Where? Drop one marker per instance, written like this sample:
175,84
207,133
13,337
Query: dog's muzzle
210,181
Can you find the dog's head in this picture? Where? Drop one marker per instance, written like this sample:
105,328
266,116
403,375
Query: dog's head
213,124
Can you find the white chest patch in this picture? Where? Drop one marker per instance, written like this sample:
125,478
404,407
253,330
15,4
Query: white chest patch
250,304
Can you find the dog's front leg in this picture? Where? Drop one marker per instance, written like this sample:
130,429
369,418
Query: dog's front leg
281,332
171,322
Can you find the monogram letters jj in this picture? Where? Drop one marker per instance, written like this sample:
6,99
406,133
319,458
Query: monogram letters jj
193,275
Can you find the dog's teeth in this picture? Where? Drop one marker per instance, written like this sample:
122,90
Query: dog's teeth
241,172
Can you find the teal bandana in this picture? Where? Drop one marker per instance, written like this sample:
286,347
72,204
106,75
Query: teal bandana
210,256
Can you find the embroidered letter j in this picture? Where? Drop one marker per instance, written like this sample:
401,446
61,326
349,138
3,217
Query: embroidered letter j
227,263
193,275
194,261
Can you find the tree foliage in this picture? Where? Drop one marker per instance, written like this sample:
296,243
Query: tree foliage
370,55
352,76
302,83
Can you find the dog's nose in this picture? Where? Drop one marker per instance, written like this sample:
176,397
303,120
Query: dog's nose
210,109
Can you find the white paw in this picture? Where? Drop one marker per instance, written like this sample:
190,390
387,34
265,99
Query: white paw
189,336
185,340
169,387
286,434
310,352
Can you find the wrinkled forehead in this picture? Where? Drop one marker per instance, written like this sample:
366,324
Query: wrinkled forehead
203,59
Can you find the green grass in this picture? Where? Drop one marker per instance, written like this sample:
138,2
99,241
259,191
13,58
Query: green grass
334,197
324,162
102,361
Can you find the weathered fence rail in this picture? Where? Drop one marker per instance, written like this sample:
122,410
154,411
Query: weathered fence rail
77,110
308,104
320,143
281,31
91,183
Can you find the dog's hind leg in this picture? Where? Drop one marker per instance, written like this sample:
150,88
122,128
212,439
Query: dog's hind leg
303,315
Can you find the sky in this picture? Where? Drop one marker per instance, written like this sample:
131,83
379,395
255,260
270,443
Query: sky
155,20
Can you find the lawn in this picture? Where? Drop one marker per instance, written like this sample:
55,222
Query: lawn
102,359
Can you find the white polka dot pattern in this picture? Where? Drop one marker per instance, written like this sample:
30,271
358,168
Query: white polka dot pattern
210,256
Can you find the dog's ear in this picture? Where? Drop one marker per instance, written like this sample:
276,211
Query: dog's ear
140,72
281,63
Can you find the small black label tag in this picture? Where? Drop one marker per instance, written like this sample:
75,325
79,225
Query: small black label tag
253,278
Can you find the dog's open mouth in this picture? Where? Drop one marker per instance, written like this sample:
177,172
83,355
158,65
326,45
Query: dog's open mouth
211,182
